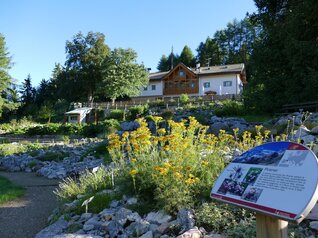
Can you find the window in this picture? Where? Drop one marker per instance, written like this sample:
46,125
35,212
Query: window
206,84
73,118
146,88
181,73
227,83
192,85
153,87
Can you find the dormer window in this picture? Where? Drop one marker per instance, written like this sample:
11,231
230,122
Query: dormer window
181,73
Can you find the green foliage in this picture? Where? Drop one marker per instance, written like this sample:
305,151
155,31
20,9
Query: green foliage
88,183
229,108
186,57
138,111
122,75
218,217
5,78
85,55
9,191
167,114
18,148
291,71
53,156
117,114
184,98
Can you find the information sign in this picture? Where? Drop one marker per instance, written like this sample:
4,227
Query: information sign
278,178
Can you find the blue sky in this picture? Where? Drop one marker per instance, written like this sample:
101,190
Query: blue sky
36,30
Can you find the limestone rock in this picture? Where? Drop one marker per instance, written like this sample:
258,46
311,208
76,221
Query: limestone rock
158,217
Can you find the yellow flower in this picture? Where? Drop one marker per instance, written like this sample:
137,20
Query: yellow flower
133,160
133,172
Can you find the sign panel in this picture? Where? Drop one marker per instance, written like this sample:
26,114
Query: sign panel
278,178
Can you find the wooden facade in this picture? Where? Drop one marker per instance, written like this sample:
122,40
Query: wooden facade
180,80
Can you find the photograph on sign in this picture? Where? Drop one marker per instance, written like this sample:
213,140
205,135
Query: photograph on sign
278,178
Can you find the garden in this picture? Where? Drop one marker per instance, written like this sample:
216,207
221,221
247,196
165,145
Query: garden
158,163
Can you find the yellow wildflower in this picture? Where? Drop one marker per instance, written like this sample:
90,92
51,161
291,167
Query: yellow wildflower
133,172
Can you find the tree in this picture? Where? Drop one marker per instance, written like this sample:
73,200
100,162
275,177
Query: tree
5,78
209,53
85,55
186,57
122,76
164,64
284,63
28,93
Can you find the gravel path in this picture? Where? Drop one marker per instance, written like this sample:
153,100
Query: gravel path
26,216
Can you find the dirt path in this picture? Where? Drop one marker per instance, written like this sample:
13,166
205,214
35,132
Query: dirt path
28,215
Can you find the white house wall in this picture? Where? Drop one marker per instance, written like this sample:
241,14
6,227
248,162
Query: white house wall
216,84
150,92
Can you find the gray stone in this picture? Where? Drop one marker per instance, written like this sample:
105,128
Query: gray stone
134,217
73,236
301,131
121,215
70,206
115,229
314,130
314,225
107,214
185,218
308,139
216,127
214,236
192,233
147,235
86,216
138,228
132,201
54,229
114,204
158,217
163,227
88,227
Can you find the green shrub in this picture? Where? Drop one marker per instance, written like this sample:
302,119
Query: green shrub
229,108
167,115
53,156
184,98
235,222
88,183
137,111
117,114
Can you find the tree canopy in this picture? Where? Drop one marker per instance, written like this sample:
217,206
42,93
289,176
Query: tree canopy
85,55
5,78
122,75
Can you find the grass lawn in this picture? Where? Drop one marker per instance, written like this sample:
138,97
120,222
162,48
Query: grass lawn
9,191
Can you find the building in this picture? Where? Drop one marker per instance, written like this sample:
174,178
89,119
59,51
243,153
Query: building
78,115
212,80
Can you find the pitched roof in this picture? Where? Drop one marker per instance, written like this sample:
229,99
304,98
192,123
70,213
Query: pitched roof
79,110
221,69
230,68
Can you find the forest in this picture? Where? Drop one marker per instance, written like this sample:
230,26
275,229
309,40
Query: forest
278,45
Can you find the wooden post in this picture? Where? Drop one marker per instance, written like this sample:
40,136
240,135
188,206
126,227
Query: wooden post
270,227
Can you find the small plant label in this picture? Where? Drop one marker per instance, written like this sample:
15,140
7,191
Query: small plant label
279,179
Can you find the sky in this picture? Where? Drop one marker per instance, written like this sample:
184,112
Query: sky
36,30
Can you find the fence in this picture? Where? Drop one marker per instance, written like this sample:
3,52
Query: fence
166,101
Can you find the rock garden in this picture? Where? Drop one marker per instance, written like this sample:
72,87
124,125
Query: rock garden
152,177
